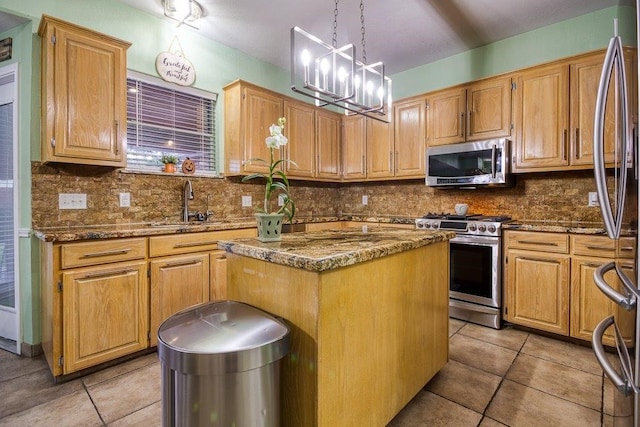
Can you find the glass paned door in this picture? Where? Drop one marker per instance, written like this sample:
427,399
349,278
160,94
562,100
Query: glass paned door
9,308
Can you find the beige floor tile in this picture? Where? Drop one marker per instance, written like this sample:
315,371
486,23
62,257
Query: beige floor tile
119,369
12,365
481,354
559,380
488,422
145,417
518,405
455,325
126,394
506,337
32,390
470,387
428,409
615,403
74,409
562,352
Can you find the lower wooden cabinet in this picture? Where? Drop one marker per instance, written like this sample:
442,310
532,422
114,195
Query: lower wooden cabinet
549,284
104,313
218,276
177,282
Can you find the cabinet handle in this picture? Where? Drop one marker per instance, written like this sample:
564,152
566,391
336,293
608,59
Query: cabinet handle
192,244
108,273
181,263
577,142
626,248
606,248
106,253
396,161
462,124
564,144
467,130
539,259
534,242
221,257
364,167
116,126
390,160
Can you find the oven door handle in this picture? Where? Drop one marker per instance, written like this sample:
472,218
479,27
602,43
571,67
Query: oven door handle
493,161
476,240
628,302
623,381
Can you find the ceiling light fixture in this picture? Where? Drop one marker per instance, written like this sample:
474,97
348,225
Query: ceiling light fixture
184,11
333,76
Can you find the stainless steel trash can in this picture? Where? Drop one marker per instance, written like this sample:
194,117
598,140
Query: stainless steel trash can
221,366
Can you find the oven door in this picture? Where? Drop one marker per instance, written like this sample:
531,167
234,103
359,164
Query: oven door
475,270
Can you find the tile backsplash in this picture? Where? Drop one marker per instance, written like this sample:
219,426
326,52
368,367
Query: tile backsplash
158,197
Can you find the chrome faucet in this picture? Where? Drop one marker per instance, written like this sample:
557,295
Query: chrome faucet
188,195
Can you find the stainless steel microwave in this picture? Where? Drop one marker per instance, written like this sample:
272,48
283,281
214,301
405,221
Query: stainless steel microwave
469,164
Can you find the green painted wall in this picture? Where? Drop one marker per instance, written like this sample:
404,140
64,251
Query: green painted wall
217,65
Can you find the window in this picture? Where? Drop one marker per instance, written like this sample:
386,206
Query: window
164,118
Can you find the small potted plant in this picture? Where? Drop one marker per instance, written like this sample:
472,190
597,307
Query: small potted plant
170,161
270,222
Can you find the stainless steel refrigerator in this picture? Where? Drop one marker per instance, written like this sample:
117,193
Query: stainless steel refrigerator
617,188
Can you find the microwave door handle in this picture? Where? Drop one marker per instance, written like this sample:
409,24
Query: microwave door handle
627,302
598,138
493,161
623,382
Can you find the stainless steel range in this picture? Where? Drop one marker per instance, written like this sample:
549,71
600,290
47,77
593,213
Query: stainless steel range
475,284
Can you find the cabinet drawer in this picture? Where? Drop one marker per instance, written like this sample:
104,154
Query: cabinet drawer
193,242
598,246
101,252
538,241
627,247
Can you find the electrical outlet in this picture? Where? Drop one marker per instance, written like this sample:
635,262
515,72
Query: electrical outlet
72,201
125,200
246,201
280,199
365,200
593,199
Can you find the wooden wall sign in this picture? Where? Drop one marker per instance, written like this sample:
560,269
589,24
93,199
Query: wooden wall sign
173,67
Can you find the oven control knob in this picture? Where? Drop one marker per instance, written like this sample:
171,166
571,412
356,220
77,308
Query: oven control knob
482,228
434,225
427,225
472,227
491,229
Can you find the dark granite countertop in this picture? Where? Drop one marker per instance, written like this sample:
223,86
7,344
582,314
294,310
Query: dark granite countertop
330,249
573,227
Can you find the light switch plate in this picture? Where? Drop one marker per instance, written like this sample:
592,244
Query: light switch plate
72,201
280,199
125,200
593,199
365,200
246,201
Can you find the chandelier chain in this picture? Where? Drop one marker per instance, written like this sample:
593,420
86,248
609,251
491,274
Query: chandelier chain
334,41
364,50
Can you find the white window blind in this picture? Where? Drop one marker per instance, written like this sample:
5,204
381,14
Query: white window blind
165,119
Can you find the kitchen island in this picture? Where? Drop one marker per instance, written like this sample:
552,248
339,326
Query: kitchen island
368,312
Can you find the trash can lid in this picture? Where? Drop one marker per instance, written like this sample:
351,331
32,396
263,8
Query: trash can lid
220,327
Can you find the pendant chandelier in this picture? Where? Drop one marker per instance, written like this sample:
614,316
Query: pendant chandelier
333,76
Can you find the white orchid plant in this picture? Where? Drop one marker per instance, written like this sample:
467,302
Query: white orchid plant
274,141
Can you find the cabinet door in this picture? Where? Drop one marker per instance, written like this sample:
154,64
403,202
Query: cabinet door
409,138
328,144
537,290
489,109
589,305
177,282
84,104
104,314
301,147
446,117
260,110
379,137
541,116
585,78
353,148
218,276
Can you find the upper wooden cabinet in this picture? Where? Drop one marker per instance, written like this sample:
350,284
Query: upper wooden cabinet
354,148
83,95
299,129
328,137
380,151
554,108
470,113
409,129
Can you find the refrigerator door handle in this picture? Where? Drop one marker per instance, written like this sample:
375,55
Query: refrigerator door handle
629,301
613,62
623,381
